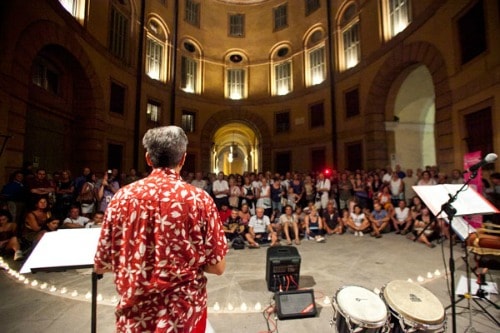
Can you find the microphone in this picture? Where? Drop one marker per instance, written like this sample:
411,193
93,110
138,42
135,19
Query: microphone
490,158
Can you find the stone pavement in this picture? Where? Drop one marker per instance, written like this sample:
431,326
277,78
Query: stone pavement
59,301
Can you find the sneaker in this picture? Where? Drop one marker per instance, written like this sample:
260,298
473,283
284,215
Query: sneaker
18,255
320,239
355,234
360,233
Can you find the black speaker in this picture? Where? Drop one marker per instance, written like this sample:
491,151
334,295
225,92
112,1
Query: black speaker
282,268
295,304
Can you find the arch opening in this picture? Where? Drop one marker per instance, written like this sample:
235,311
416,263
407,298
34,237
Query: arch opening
411,119
235,149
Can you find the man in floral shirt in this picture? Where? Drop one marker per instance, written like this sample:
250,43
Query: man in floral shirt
160,235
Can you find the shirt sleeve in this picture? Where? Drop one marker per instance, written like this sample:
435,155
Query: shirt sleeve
215,239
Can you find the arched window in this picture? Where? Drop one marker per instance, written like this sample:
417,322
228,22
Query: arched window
191,67
349,45
396,16
236,76
156,51
315,64
281,70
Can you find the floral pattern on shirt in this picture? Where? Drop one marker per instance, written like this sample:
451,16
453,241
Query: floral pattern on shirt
157,235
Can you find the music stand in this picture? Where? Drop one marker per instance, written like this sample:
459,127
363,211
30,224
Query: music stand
67,249
445,201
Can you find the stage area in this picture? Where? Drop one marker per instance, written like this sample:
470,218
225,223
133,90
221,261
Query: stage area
60,302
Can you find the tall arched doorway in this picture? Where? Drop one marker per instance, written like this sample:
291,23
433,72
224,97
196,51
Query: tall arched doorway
235,149
413,112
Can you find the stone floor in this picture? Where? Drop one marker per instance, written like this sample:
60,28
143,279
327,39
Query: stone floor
59,301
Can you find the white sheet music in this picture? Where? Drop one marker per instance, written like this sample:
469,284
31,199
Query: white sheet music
461,227
64,248
468,202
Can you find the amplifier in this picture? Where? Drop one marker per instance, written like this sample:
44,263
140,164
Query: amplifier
295,304
282,268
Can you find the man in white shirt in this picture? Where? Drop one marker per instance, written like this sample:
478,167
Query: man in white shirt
199,182
323,187
401,218
220,189
259,228
74,220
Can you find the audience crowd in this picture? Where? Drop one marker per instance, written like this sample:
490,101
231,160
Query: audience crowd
256,208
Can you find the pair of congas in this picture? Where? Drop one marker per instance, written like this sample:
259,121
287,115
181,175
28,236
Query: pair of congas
401,307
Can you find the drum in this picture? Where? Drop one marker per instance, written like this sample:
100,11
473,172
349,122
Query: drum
357,309
413,308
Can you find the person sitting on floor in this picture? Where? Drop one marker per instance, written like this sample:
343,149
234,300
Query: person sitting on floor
424,227
357,222
8,238
260,230
314,225
288,220
233,226
400,218
34,223
333,222
379,220
96,221
74,220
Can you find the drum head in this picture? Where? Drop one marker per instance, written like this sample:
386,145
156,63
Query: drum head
361,305
414,302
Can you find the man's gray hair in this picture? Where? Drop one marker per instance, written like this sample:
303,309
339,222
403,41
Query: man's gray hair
166,145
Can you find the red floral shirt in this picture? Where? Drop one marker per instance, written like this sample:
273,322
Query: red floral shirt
157,235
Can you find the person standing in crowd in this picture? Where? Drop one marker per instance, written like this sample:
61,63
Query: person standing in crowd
220,189
39,186
14,192
323,186
107,189
159,236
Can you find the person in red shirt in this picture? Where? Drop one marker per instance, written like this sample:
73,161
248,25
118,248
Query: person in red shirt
160,236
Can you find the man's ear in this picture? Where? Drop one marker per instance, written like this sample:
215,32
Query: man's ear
148,160
183,159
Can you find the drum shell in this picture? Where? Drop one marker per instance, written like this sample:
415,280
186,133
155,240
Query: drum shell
398,318
341,317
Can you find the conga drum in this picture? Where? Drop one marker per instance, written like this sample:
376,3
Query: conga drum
357,309
413,308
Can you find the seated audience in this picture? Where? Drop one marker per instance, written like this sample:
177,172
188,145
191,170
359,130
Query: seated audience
244,214
314,225
379,220
74,220
233,226
224,212
96,221
424,227
401,219
357,222
332,220
34,222
52,224
260,230
287,221
8,235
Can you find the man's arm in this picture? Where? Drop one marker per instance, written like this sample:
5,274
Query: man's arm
217,268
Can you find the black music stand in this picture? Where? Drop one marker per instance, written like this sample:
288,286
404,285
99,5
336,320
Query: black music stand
63,250
449,201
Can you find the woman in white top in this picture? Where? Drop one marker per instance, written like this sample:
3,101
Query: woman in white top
358,221
288,220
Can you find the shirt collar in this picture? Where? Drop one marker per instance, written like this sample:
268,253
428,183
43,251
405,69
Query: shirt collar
171,173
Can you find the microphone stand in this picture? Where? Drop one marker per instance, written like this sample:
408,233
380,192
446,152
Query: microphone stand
450,212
